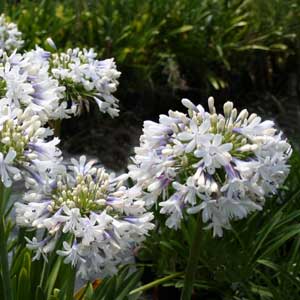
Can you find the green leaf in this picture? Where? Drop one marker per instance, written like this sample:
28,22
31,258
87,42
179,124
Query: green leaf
23,285
89,293
281,47
1,285
262,291
182,29
288,234
101,289
129,283
14,284
253,47
18,261
156,283
27,261
268,264
213,81
110,293
39,293
236,25
166,245
264,234
53,276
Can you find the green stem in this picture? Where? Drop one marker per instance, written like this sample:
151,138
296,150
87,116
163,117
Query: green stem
43,273
155,283
4,197
57,128
192,264
4,262
71,283
6,283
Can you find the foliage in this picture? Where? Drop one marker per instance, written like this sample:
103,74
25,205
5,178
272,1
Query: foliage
183,43
53,280
258,259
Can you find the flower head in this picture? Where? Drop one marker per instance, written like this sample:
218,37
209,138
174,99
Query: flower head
26,82
25,146
220,165
97,217
10,36
86,78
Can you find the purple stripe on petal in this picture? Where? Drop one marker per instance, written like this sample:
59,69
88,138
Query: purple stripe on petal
111,200
31,77
45,54
231,172
236,130
165,181
36,148
133,220
34,175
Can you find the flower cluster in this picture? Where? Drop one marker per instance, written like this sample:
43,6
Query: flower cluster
26,83
91,212
87,78
10,37
222,166
97,218
25,147
55,86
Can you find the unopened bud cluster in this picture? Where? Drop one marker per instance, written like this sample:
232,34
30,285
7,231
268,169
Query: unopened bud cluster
11,137
88,192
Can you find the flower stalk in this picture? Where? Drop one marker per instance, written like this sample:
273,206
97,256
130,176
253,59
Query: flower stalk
192,264
5,274
56,126
71,282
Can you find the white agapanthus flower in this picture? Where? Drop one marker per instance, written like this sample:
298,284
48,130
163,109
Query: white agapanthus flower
26,148
222,166
10,36
98,219
86,78
26,82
